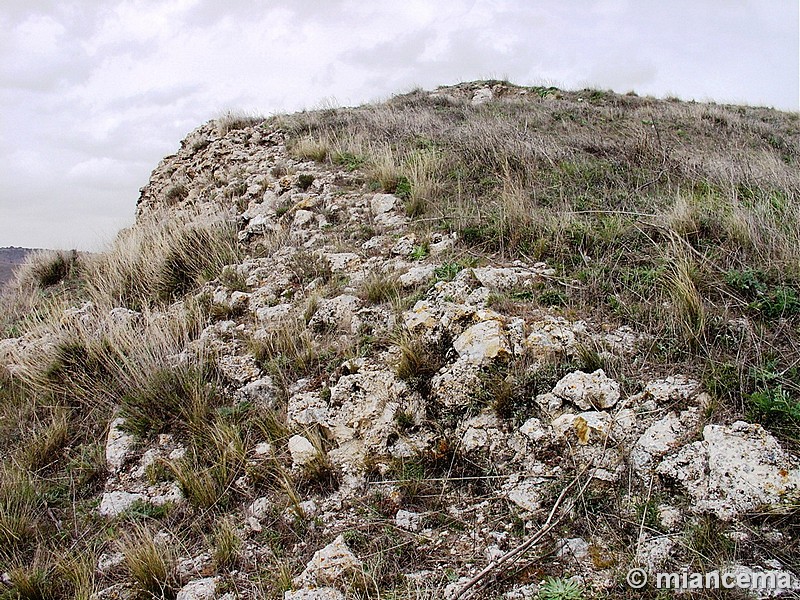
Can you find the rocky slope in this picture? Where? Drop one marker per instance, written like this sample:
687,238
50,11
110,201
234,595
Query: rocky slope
435,431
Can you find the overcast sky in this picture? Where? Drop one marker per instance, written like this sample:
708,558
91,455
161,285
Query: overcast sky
93,93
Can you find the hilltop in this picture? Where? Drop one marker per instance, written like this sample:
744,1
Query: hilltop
485,341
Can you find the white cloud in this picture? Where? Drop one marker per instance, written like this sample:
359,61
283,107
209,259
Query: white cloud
93,94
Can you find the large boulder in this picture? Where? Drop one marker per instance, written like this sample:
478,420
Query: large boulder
734,469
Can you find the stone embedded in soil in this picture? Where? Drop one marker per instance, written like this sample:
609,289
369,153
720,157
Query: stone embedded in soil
199,589
115,503
303,451
119,445
483,342
734,469
331,565
588,390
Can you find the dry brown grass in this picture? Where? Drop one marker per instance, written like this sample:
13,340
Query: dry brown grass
161,259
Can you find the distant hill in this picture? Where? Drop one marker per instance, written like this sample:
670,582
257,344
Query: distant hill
11,258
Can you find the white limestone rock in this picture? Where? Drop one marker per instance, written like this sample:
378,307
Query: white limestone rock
119,445
549,335
408,520
241,368
199,589
367,404
661,437
115,503
734,469
262,392
588,390
307,408
481,96
653,552
322,593
302,451
483,432
421,318
302,218
483,342
331,565
417,275
260,508
273,316
534,430
335,312
108,561
383,203
457,384
671,389
343,261
526,493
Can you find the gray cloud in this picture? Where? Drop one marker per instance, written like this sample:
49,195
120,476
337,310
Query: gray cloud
93,94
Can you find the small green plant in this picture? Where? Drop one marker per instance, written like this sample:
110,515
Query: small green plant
141,511
349,161
402,188
778,303
748,283
304,181
419,252
777,406
560,589
552,298
447,271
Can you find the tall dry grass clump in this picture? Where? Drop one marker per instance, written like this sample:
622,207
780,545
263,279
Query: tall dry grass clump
161,258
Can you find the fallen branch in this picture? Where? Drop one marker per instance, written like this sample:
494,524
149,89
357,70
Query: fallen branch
478,582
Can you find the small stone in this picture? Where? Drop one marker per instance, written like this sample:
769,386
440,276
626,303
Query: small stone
382,203
199,589
417,275
669,517
114,503
263,450
118,445
481,96
653,552
408,520
109,560
323,593
260,508
533,429
302,218
330,565
302,451
575,548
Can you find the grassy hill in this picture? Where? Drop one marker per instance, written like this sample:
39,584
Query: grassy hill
486,341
